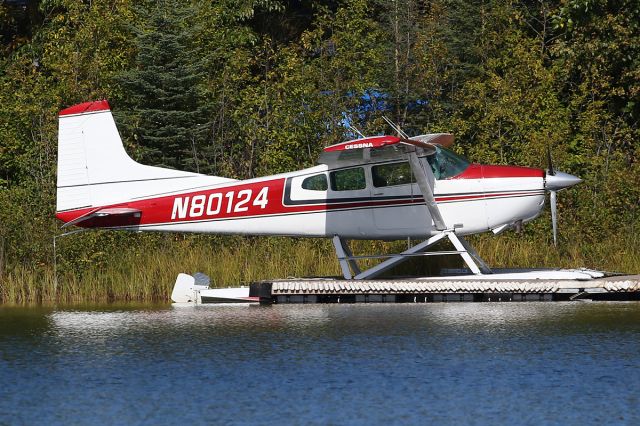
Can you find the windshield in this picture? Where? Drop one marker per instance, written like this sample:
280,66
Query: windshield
446,164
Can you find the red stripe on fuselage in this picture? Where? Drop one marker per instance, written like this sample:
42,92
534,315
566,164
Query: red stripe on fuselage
220,203
244,200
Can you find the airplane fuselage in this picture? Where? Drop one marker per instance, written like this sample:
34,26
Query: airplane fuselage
479,199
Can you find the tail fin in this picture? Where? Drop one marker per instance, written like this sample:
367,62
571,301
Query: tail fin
95,170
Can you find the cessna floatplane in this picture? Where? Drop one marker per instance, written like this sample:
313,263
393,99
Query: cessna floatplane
381,187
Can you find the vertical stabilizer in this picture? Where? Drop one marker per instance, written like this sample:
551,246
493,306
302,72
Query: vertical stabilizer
95,170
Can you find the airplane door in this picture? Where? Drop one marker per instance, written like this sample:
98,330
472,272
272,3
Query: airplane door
398,198
349,213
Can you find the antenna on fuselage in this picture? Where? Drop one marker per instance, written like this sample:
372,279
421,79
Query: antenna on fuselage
395,127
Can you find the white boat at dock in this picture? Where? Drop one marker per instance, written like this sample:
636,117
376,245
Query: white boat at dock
195,289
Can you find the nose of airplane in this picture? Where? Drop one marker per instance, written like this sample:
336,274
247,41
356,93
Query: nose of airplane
560,180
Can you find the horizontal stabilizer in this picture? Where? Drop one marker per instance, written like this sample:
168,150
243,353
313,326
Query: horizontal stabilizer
121,213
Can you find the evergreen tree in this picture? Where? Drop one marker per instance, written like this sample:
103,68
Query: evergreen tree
164,109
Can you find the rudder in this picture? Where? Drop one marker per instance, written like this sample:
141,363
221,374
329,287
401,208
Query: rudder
94,168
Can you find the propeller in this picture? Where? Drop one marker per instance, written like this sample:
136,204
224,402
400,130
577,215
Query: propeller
554,182
553,199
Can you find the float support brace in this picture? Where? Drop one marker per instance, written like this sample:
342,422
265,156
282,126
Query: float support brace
484,268
350,269
398,258
345,257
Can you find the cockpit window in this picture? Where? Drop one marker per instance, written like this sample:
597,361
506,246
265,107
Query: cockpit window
348,179
391,174
446,164
315,183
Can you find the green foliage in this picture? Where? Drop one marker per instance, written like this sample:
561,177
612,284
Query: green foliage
257,87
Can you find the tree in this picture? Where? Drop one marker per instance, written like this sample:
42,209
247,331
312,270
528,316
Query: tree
600,50
163,109
71,58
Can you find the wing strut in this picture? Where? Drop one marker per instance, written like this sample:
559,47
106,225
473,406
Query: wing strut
423,177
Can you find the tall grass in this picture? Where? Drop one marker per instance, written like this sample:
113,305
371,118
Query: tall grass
617,253
148,273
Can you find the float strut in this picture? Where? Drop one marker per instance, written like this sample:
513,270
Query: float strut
347,264
398,258
350,269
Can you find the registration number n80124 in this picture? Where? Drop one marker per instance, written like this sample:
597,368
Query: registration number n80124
217,203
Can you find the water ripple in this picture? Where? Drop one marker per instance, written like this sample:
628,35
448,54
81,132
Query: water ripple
487,363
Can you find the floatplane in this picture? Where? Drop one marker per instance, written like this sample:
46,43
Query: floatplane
380,187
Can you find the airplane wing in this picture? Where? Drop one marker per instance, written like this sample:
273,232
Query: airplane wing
423,141
443,139
120,214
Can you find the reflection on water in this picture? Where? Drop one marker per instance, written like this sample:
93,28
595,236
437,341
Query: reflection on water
569,363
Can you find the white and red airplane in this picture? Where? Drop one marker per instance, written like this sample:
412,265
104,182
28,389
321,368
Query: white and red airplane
381,187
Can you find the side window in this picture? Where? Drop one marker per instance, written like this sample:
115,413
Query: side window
391,174
348,179
315,183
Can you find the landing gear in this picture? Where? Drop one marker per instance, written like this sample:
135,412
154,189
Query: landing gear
350,269
426,182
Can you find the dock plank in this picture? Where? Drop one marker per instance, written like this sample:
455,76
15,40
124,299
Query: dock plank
597,287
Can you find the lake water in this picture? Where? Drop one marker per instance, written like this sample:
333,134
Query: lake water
457,363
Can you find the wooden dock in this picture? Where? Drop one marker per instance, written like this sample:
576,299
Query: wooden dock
414,290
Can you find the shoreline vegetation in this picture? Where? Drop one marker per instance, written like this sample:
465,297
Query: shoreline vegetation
148,274
257,88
